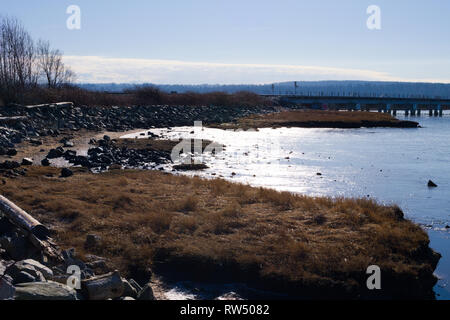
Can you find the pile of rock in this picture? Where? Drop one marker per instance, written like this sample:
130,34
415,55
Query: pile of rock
28,273
107,154
20,122
11,169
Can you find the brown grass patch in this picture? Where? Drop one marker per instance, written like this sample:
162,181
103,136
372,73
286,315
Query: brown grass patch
148,218
317,118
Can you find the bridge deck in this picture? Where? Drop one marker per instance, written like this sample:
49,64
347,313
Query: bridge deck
367,102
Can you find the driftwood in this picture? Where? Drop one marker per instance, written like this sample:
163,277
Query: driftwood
22,219
38,234
51,105
12,120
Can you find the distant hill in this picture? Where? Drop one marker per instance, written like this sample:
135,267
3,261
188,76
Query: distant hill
346,88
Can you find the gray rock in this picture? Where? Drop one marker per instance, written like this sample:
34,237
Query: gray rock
128,299
68,144
44,291
8,165
146,293
431,184
107,286
65,173
45,162
11,152
14,245
22,273
7,290
97,264
27,162
2,267
135,285
47,272
55,153
69,259
23,277
92,240
128,289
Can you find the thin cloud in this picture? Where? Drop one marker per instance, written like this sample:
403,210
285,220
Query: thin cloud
97,69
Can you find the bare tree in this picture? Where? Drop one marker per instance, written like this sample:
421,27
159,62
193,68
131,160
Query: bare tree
23,64
18,70
50,63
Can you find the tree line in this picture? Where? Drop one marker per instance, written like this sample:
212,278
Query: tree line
27,65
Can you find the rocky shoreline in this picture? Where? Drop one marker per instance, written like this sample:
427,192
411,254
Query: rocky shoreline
36,269
19,123
26,272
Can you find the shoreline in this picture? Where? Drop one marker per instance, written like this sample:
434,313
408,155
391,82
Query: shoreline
318,119
275,282
185,246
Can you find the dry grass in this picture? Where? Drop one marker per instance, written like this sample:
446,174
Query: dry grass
139,96
151,218
316,118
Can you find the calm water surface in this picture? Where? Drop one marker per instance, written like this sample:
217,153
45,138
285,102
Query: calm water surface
388,164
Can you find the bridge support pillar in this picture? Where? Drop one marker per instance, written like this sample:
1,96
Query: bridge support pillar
418,112
414,109
394,112
406,112
436,112
388,108
430,112
441,113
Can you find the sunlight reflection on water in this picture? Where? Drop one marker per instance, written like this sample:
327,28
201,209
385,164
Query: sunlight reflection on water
389,164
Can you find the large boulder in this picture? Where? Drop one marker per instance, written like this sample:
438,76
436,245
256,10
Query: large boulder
146,293
55,153
44,291
22,272
104,287
47,272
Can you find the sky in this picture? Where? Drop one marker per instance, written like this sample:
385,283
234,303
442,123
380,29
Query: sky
245,41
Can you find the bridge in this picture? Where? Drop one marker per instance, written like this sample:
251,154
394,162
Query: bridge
413,106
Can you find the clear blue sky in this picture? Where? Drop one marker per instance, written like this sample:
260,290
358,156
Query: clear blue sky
413,43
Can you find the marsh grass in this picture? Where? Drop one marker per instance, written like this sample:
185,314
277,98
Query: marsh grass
141,215
312,118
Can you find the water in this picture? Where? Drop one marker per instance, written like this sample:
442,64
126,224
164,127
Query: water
389,164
